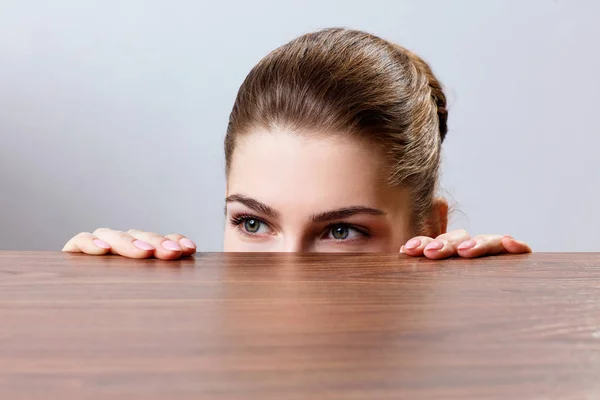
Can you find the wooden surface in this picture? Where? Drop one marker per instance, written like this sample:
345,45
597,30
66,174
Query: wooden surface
276,326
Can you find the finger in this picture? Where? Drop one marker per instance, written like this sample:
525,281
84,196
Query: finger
445,245
439,249
187,246
454,238
482,245
125,245
165,249
87,243
414,247
511,245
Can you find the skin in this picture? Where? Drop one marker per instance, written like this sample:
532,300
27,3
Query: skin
309,193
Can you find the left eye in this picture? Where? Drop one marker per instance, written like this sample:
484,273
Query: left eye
343,232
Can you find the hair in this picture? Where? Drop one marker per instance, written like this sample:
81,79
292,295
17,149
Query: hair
346,81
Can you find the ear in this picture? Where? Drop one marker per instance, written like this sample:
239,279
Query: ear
439,216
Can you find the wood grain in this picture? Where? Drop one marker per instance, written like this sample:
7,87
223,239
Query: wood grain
312,326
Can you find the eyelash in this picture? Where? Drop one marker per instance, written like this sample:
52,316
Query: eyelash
237,221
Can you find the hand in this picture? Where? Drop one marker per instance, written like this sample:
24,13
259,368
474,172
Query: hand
459,243
131,244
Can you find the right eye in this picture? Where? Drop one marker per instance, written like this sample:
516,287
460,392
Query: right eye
250,225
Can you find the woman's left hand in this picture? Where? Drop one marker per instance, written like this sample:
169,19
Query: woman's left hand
460,243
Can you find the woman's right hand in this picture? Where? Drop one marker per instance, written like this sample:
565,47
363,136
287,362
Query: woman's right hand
131,244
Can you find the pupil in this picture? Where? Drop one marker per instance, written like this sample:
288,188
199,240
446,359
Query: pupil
340,232
251,225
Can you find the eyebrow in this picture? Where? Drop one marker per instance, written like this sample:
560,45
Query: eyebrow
341,213
252,204
345,213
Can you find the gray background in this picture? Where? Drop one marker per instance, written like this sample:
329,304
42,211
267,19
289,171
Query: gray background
112,113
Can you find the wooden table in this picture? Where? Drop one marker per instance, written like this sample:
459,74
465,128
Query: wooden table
277,326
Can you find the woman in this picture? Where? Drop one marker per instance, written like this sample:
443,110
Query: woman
333,144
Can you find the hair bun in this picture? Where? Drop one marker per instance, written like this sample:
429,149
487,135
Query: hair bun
442,112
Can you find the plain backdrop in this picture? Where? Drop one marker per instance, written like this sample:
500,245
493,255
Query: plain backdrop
113,112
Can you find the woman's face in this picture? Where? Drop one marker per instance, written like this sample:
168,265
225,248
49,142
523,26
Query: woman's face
311,193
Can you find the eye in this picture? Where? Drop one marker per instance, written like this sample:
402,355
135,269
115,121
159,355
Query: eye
249,225
344,232
340,232
252,225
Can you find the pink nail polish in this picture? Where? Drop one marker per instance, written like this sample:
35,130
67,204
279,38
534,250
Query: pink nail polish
188,243
171,245
142,245
436,245
101,243
412,244
469,244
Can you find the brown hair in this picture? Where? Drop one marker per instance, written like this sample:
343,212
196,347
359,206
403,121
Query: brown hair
348,81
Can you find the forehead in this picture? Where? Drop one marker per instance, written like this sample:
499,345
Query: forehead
308,172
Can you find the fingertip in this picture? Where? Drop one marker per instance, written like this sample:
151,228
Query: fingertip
418,252
469,253
67,248
467,244
168,250
137,253
137,249
101,244
86,243
170,245
436,245
140,244
188,247
168,255
185,242
413,244
439,249
188,252
98,247
515,246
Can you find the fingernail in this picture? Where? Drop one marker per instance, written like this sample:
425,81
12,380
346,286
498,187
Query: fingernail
188,243
401,249
412,244
509,237
142,245
171,245
101,243
469,244
436,245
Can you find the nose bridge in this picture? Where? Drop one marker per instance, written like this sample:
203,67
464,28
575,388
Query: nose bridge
295,244
294,236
